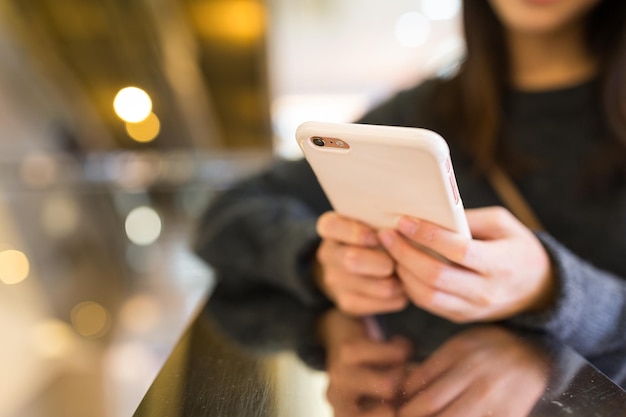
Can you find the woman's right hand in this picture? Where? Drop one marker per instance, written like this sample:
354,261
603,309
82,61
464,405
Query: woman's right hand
353,270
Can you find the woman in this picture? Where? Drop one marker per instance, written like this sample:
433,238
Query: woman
542,94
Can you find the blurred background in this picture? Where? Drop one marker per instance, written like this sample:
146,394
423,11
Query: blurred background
119,122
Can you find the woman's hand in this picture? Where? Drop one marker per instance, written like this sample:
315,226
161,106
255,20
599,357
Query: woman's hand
475,374
352,269
365,376
503,271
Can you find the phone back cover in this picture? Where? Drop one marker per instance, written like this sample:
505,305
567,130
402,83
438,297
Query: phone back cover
386,173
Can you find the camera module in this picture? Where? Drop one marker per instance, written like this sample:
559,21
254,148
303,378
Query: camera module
318,141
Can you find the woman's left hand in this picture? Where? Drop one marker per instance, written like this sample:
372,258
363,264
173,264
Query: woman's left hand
502,272
474,373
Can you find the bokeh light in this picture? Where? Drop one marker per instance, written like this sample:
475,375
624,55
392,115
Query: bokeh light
53,338
240,21
441,9
143,225
146,130
145,364
39,170
140,314
289,111
132,104
60,216
412,29
14,267
90,319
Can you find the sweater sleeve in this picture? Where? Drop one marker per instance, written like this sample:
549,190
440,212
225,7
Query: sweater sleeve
262,231
590,312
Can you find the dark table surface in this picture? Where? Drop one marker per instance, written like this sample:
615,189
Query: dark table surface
264,354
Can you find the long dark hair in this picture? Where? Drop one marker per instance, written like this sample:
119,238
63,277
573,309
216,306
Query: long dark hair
475,95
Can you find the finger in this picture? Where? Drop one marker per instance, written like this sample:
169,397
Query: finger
472,403
437,395
434,272
357,304
331,225
344,406
362,381
335,281
440,303
467,253
450,245
491,223
355,259
483,399
367,352
424,374
353,269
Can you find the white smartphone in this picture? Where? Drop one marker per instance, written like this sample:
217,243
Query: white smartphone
376,174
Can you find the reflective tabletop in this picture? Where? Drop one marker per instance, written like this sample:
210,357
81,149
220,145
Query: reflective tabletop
106,312
264,354
97,278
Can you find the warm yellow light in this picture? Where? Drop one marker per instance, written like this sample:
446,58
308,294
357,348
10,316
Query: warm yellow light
90,319
53,338
146,130
230,20
14,267
143,226
132,104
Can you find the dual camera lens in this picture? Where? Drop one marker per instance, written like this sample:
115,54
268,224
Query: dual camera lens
333,143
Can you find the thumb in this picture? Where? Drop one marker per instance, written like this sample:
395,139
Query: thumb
491,223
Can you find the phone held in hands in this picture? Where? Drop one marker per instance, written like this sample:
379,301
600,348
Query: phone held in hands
376,174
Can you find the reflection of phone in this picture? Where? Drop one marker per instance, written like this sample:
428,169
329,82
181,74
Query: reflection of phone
377,173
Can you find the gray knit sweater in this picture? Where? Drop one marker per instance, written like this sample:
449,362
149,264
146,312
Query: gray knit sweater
262,231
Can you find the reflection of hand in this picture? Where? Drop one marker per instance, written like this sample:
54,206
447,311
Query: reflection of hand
484,371
354,272
504,273
364,376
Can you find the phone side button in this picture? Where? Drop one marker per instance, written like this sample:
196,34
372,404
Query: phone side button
455,190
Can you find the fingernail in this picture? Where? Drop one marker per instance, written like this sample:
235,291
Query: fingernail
407,226
386,237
